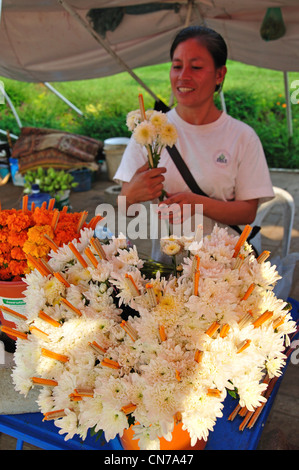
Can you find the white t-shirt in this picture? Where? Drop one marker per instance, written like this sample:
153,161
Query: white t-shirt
225,157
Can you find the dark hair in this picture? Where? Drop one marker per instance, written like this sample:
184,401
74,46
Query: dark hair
212,40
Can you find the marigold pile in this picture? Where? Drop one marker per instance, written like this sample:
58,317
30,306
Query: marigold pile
31,233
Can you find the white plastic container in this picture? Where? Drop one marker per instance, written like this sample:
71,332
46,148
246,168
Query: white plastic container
114,149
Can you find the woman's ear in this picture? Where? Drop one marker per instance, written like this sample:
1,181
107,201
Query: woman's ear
220,75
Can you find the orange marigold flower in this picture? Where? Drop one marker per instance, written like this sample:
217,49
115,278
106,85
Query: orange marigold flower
17,238
5,258
17,267
36,234
19,221
5,247
18,253
4,233
5,274
38,251
4,216
42,216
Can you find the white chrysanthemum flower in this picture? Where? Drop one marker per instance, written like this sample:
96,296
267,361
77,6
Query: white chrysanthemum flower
114,421
158,119
68,424
144,133
133,119
168,134
130,257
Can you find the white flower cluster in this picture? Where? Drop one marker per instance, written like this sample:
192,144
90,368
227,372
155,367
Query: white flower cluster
216,327
154,131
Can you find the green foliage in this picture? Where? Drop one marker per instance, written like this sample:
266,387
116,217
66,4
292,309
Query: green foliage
252,94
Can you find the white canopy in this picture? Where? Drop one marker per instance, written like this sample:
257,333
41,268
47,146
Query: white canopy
53,40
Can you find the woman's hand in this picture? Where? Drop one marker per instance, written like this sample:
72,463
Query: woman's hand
178,207
146,185
224,212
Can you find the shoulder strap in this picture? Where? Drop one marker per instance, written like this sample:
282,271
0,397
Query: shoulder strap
184,170
190,181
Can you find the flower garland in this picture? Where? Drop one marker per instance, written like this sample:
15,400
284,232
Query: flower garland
185,342
26,235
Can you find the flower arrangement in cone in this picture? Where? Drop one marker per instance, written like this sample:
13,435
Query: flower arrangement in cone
110,346
28,234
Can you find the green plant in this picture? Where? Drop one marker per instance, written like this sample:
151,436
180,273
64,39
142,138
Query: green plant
51,181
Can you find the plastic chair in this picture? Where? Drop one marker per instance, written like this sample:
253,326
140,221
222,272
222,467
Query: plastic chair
284,199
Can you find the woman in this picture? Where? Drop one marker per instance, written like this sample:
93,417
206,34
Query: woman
224,155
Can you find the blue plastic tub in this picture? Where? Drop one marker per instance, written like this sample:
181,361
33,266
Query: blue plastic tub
84,178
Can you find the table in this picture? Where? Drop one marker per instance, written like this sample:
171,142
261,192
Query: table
30,428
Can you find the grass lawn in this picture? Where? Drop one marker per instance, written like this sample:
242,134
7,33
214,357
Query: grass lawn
252,94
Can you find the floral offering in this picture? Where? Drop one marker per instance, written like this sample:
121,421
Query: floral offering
151,129
111,347
28,234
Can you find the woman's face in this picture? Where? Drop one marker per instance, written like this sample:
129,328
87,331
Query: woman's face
193,75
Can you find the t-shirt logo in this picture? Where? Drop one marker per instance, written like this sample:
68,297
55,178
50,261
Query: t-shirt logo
222,159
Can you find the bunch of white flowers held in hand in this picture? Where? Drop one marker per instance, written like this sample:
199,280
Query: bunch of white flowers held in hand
151,129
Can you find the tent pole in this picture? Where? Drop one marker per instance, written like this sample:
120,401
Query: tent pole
288,102
9,102
13,136
56,92
105,45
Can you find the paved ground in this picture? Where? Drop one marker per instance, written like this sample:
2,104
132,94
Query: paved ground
282,428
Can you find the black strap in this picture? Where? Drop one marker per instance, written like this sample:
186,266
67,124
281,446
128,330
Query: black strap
190,181
184,170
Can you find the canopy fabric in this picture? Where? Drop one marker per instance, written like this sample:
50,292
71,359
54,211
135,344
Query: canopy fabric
42,42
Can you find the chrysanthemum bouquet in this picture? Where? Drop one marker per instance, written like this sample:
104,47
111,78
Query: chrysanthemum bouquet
28,234
153,130
110,347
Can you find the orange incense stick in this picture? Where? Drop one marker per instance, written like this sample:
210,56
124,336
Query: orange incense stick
53,355
248,292
71,307
78,255
198,355
60,278
212,329
82,219
96,244
48,319
54,415
127,409
11,312
55,218
25,203
13,332
91,257
51,243
243,237
262,319
51,204
45,382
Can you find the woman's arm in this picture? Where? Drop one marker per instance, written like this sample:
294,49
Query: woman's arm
225,212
